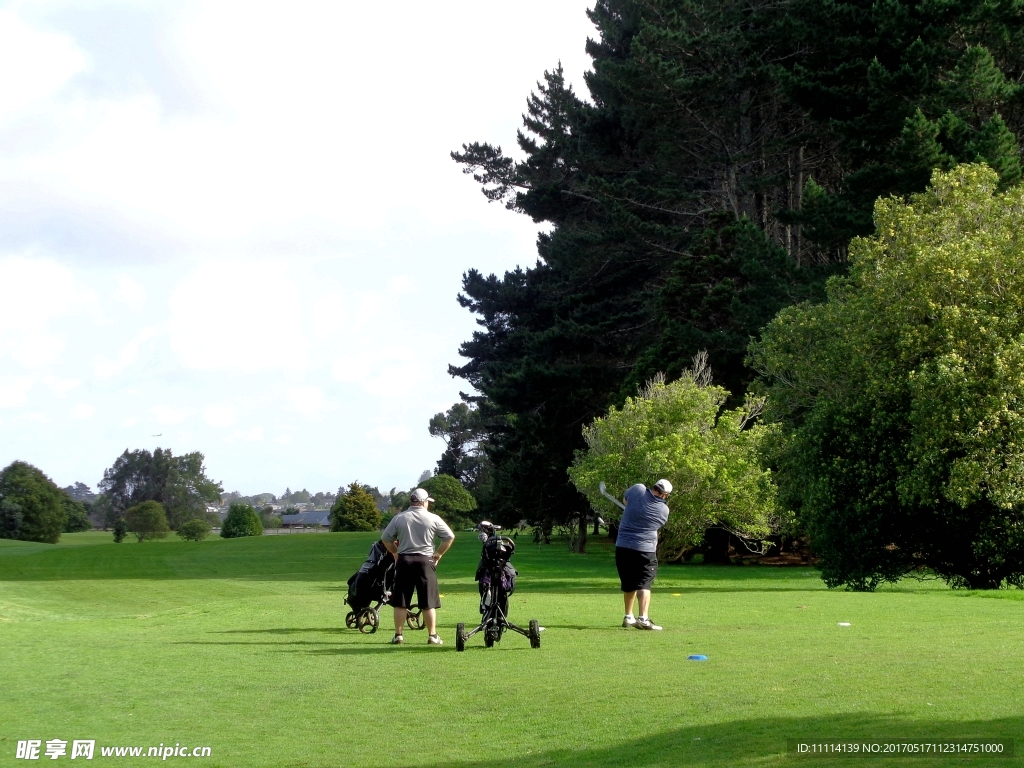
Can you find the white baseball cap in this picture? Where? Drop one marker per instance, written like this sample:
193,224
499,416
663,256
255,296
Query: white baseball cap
663,486
421,495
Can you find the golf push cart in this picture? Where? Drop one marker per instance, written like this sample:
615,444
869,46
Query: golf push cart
369,589
497,578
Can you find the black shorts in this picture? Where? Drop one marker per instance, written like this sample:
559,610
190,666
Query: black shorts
416,573
636,569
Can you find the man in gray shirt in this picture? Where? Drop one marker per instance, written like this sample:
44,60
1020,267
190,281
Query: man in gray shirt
410,538
636,548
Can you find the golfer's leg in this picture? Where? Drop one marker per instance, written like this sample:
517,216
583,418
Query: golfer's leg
430,619
627,599
645,601
399,619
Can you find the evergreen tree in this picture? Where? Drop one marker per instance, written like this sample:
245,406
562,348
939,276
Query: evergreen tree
355,510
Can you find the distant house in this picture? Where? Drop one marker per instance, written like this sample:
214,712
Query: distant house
321,518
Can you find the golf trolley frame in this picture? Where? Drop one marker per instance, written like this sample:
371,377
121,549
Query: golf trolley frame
367,619
494,622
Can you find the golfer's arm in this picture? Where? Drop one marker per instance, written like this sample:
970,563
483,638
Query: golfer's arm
390,546
443,546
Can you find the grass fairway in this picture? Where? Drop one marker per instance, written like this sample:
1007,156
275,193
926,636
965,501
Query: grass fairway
240,645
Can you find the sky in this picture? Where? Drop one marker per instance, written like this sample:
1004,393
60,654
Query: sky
235,228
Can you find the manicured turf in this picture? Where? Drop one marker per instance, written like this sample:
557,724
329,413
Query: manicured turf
240,645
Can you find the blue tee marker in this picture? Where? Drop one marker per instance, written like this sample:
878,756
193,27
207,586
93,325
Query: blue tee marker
697,657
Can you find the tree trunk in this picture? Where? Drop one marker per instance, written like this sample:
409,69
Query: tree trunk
581,545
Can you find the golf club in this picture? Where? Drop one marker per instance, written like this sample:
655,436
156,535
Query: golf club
604,492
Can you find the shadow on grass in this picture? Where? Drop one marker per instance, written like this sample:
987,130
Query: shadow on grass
761,742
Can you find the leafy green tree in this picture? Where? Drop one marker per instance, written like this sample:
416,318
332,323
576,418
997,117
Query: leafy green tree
120,530
355,510
78,517
679,431
900,397
451,500
241,520
32,508
194,530
179,483
147,520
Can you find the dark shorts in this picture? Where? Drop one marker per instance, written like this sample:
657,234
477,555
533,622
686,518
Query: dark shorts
636,569
416,573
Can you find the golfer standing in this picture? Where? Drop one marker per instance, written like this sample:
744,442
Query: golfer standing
415,530
636,548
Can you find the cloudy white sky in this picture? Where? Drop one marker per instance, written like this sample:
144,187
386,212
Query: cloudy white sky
235,227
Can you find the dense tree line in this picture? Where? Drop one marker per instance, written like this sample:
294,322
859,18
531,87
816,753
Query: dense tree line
723,159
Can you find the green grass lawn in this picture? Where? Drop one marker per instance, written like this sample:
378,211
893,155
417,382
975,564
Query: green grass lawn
240,645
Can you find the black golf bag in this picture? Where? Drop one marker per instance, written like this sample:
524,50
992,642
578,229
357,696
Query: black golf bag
370,588
497,580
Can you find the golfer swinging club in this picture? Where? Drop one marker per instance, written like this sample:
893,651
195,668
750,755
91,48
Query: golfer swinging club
636,548
415,530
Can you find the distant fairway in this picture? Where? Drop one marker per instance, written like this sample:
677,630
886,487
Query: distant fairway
240,645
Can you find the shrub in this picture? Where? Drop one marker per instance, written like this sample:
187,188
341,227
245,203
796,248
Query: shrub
196,529
902,398
451,500
355,510
147,520
31,505
242,520
680,432
120,530
78,517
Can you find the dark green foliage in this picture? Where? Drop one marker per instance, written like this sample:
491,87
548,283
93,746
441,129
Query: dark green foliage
31,507
451,500
147,520
194,530
462,429
726,155
242,520
78,517
355,510
120,530
177,482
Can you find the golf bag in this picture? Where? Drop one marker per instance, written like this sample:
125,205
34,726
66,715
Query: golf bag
370,588
497,580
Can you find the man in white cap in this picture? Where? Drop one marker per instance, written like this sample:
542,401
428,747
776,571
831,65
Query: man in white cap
414,530
636,548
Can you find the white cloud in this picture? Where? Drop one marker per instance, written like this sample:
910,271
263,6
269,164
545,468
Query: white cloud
14,391
36,293
60,387
167,415
106,368
83,411
390,435
220,415
237,316
309,401
130,292
37,63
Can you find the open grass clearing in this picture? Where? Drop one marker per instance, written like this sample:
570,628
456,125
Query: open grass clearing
239,645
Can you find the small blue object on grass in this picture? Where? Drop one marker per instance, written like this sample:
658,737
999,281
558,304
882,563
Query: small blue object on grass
697,657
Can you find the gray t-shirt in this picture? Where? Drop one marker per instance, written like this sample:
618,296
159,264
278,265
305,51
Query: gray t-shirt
644,515
415,530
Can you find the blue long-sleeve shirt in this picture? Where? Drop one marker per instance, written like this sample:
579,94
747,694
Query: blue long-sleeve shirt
644,515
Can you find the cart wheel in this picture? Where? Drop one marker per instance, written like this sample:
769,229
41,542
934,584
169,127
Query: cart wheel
414,619
368,621
350,620
460,637
534,634
489,639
